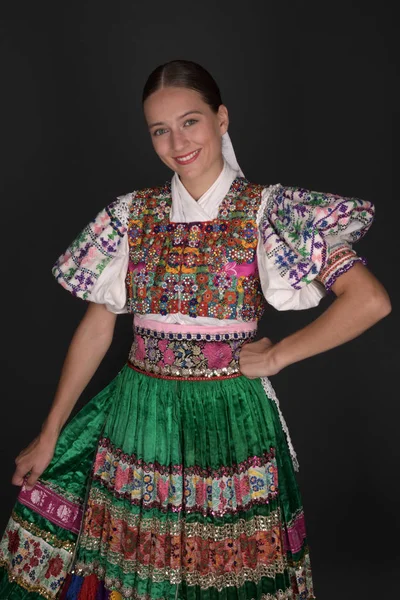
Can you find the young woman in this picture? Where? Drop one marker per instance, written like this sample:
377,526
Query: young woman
177,480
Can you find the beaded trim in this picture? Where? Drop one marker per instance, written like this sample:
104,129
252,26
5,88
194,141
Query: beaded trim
180,526
181,377
209,337
169,272
50,538
185,355
178,575
176,489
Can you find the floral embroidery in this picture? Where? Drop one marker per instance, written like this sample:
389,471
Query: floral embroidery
13,541
188,356
218,354
199,269
294,224
33,562
85,259
250,552
216,492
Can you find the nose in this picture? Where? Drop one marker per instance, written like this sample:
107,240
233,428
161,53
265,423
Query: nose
178,141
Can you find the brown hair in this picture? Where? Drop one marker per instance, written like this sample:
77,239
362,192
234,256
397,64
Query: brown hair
186,74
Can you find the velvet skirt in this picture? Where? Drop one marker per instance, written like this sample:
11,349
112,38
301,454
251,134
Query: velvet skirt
163,489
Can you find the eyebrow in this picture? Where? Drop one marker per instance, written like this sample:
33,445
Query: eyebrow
190,112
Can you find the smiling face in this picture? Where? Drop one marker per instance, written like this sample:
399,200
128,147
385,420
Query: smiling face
186,134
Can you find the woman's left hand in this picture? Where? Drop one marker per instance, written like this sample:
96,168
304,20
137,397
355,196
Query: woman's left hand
256,359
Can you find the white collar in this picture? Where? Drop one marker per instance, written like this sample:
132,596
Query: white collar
185,209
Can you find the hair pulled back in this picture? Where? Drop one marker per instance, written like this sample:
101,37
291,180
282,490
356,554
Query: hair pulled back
185,74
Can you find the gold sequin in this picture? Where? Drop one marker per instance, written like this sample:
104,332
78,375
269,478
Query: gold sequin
178,575
64,493
207,531
27,586
50,538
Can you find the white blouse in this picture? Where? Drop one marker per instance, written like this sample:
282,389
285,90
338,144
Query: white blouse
110,287
300,232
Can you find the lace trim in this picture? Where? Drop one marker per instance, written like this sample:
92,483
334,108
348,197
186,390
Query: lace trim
268,195
270,392
122,208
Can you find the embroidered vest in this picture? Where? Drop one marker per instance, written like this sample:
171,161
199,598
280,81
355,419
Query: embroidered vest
200,269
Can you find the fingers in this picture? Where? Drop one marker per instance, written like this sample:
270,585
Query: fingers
20,473
255,347
26,475
24,467
32,479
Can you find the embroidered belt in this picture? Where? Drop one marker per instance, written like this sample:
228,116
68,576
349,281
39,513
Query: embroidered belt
188,352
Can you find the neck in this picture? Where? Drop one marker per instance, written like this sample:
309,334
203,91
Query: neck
197,187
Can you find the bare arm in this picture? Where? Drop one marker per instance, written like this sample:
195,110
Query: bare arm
88,346
361,302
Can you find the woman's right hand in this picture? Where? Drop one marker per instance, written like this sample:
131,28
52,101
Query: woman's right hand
33,460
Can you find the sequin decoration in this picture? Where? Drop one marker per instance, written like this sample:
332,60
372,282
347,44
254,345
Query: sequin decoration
35,564
204,553
173,488
206,269
188,356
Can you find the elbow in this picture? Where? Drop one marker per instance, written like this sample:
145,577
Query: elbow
379,305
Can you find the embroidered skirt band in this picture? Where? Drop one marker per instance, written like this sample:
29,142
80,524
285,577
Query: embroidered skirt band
172,351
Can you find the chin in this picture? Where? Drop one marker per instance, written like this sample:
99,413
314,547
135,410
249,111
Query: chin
190,171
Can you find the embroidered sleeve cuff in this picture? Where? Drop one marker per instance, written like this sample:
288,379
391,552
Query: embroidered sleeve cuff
339,261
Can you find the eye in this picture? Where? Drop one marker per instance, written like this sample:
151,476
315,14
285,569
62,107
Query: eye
190,122
159,131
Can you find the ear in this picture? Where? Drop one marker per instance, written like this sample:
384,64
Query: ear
223,119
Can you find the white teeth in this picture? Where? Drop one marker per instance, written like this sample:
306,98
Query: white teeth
188,157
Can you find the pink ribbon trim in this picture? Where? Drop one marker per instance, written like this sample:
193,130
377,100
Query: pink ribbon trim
295,535
52,506
178,328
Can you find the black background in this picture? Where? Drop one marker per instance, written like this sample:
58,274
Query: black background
312,91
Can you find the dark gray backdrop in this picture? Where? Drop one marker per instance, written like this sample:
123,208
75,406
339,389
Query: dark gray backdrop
312,91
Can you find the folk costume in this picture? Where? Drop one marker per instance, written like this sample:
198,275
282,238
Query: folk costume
178,479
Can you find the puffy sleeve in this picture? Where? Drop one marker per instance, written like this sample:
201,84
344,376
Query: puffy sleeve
95,264
305,242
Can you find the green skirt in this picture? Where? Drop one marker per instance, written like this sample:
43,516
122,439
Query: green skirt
163,489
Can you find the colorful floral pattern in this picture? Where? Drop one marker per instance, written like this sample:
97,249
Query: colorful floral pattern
172,488
202,553
32,562
85,259
294,223
206,269
188,355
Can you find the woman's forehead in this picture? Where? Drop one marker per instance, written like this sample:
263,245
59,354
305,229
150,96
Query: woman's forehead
171,103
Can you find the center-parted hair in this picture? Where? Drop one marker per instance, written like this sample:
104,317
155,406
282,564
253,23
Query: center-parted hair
185,74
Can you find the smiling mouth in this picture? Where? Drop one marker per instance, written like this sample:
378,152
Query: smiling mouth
188,158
